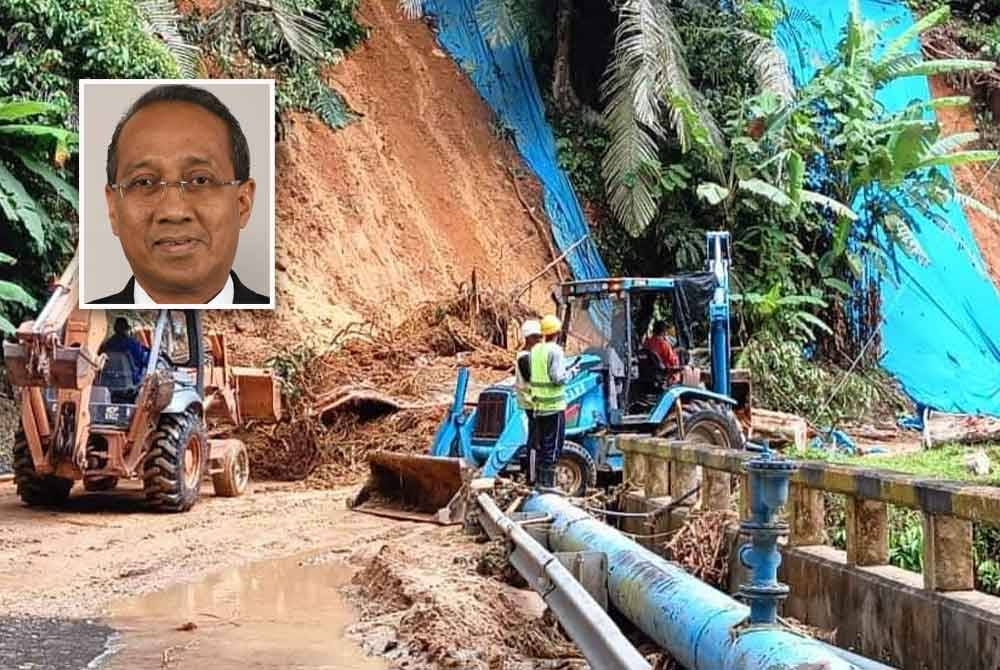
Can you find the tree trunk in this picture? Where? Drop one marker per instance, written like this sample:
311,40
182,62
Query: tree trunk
562,80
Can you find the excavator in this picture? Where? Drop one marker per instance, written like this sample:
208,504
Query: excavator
94,417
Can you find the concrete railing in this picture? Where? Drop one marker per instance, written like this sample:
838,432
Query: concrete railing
663,468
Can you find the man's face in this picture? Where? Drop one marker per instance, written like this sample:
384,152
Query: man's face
179,243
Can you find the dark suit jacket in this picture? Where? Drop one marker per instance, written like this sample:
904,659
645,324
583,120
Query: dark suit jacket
241,294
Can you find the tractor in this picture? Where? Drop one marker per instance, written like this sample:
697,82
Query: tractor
619,387
93,417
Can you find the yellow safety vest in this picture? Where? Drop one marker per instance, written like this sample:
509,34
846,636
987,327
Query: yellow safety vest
546,395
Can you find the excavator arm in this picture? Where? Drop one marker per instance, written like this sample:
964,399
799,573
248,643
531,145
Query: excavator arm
57,350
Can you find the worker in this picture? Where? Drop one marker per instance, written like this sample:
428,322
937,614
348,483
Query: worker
531,332
660,345
122,342
548,382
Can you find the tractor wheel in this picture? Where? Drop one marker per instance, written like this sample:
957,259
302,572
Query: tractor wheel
47,490
100,483
235,476
704,423
575,470
175,464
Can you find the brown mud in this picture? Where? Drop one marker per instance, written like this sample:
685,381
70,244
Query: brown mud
268,615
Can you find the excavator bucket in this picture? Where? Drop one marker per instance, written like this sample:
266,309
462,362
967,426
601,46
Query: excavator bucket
413,487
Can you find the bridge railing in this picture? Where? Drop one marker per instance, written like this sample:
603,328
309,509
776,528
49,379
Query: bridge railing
663,467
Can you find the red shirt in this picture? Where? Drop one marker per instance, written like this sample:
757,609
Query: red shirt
661,347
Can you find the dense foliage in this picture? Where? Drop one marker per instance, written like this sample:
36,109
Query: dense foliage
290,41
48,46
814,185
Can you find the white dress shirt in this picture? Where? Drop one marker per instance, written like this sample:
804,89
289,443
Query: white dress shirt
223,298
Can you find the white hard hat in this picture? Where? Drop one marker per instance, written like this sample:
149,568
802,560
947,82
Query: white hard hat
531,327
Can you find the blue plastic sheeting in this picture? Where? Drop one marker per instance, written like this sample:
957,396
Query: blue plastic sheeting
505,79
941,330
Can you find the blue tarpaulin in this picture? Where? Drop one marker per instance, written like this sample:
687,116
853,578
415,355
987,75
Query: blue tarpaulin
941,331
941,328
506,81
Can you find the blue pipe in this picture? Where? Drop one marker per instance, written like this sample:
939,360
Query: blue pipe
702,628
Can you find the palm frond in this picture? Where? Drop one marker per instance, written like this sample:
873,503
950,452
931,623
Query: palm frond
501,21
304,33
919,27
646,77
977,206
161,18
769,64
631,189
412,9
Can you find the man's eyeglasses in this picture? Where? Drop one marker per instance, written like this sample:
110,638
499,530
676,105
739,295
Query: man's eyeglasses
145,191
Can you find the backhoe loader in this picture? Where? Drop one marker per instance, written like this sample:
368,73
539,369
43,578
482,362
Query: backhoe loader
619,388
94,418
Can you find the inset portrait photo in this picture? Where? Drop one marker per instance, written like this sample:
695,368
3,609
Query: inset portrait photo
177,193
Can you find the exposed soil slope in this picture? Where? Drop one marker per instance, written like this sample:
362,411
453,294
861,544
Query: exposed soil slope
398,207
975,180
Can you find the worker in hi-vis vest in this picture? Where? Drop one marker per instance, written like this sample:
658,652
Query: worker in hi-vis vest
531,331
548,396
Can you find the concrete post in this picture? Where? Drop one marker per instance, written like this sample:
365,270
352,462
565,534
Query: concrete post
635,469
657,477
948,564
716,489
867,532
806,516
683,478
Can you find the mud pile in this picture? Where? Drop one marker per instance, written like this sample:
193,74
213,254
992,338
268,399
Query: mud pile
384,390
441,614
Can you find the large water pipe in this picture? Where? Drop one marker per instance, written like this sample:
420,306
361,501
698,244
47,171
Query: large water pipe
702,628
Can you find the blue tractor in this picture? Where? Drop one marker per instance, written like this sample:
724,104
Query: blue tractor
619,387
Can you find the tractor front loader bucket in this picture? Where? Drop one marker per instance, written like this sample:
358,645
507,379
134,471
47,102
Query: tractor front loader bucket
413,487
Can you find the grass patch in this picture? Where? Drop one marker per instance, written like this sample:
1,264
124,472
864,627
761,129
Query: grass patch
946,462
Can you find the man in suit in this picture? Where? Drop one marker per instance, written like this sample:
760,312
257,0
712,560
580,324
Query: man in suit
179,193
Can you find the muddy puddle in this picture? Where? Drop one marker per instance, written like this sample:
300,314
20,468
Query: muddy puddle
285,614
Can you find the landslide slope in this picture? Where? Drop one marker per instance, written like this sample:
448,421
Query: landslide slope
400,206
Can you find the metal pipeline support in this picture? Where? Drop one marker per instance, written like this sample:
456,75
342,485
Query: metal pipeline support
588,625
702,628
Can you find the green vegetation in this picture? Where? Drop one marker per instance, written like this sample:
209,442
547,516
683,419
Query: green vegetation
944,462
35,198
49,45
288,40
906,542
814,185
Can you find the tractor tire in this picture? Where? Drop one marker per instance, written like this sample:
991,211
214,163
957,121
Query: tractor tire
575,470
705,422
176,462
94,484
235,476
47,490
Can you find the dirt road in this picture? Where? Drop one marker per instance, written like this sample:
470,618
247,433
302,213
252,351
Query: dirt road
103,547
270,580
